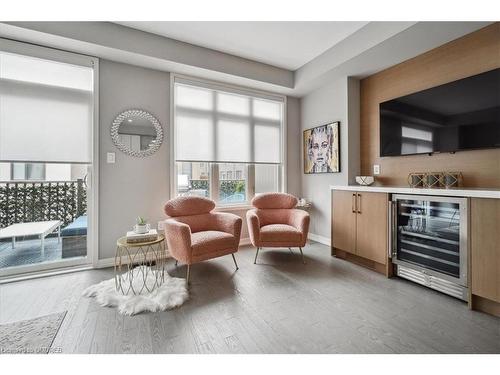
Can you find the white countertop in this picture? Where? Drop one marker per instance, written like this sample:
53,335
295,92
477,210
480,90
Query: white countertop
451,192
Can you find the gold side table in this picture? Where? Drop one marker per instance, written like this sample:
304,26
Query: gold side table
148,256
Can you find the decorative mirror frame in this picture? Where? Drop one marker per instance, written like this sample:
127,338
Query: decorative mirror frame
142,114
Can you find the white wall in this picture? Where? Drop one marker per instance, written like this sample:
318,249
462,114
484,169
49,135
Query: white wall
337,100
132,186
293,139
354,131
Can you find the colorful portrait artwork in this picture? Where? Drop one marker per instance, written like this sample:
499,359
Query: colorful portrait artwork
321,149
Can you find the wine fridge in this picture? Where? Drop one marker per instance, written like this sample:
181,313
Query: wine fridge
428,241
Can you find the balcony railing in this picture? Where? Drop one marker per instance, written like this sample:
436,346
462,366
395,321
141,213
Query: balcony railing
28,201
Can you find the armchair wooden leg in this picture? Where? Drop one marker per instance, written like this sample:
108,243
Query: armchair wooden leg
290,250
234,260
188,272
176,261
301,253
256,254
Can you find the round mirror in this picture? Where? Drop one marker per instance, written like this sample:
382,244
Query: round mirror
137,133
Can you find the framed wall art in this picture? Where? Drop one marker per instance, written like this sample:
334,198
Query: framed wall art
321,149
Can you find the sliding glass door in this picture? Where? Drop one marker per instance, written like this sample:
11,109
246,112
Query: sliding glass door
47,158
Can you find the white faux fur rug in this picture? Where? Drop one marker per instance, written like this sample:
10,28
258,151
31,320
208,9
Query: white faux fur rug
172,293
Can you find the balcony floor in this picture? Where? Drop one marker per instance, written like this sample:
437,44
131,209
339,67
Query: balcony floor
28,252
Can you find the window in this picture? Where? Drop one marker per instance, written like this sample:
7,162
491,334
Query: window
236,134
193,179
232,190
267,178
28,171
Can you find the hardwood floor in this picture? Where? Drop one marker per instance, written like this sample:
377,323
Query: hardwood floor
276,306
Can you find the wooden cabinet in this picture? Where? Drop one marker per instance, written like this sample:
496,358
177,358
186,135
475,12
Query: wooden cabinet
485,248
359,224
371,226
344,220
360,233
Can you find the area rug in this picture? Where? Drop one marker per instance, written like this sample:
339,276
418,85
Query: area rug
172,293
33,336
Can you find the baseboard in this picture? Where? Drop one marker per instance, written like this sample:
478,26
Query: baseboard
110,262
105,263
321,239
367,263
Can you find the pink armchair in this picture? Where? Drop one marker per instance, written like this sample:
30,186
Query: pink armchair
274,222
194,233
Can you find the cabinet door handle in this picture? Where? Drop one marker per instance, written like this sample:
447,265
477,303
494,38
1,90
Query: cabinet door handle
353,204
389,231
358,204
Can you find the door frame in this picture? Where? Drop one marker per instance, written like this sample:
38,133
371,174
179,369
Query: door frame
46,268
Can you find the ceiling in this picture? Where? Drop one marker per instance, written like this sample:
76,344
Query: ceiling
372,48
287,45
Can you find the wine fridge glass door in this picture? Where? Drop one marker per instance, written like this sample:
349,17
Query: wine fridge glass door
430,233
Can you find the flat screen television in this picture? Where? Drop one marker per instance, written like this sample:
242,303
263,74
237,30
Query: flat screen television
460,115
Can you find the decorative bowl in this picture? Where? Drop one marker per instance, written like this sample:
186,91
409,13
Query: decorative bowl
365,180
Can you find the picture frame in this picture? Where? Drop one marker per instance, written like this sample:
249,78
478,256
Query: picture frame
321,148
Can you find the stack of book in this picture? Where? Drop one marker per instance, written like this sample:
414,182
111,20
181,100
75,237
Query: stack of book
133,237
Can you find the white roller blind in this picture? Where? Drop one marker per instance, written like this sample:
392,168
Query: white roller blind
46,110
217,125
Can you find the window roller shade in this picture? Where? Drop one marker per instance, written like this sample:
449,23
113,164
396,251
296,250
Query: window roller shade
46,110
213,125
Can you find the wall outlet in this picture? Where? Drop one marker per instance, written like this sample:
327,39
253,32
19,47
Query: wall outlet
376,169
110,157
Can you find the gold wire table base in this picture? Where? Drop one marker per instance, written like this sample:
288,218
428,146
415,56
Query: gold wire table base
133,260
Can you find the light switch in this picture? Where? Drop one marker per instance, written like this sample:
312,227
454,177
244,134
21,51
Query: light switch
376,169
110,157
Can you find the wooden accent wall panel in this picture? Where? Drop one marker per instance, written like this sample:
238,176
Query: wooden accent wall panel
472,54
485,248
